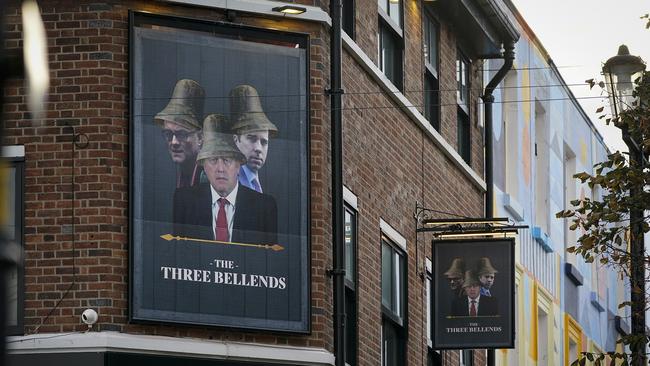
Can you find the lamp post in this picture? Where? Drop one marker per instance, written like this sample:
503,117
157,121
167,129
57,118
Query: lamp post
620,73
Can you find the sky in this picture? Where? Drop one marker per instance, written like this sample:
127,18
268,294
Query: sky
580,35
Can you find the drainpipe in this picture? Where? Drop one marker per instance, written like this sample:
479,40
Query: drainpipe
338,253
488,100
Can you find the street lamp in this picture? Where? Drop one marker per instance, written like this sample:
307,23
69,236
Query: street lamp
621,72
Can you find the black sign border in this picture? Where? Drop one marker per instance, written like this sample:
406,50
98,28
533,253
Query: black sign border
138,18
508,241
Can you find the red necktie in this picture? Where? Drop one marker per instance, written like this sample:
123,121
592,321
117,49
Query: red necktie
221,229
472,309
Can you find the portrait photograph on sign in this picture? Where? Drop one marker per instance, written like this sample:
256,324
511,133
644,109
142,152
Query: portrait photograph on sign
473,302
219,175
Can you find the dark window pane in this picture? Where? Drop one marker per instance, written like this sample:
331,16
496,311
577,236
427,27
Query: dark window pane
431,42
434,358
350,327
462,79
392,344
432,101
390,55
387,275
350,247
347,23
464,145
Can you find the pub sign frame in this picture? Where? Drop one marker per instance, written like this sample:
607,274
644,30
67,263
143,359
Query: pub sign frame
491,323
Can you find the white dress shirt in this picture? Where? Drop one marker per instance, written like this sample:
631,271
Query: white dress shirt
469,304
229,207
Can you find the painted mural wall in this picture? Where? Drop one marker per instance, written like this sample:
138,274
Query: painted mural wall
541,138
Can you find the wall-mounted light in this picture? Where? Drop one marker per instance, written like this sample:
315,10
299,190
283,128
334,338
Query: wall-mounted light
290,9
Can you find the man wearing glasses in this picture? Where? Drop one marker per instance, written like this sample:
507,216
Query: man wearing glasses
181,130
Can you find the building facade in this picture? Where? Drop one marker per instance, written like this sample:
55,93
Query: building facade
107,195
542,137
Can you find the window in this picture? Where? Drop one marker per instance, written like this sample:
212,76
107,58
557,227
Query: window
466,357
462,79
390,54
390,42
570,237
393,301
431,84
392,9
350,287
462,99
433,357
542,168
347,21
13,204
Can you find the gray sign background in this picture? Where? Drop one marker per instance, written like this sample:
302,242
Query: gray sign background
219,62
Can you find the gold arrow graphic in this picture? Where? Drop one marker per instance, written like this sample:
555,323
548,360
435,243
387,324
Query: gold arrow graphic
274,247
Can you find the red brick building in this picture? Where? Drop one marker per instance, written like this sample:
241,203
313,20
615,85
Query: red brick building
412,134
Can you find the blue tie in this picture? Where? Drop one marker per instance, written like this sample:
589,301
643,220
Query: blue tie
256,185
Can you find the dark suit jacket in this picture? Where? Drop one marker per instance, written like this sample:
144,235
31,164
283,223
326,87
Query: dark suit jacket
255,219
486,306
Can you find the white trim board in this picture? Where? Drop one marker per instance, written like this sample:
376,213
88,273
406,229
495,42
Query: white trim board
350,198
392,234
167,346
13,151
313,13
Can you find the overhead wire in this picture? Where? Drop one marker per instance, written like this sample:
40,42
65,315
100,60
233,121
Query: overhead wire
406,106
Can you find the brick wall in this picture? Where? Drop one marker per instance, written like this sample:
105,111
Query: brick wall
389,163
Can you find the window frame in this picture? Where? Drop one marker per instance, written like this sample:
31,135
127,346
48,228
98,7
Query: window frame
397,321
18,163
463,116
462,98
431,78
388,27
348,17
351,289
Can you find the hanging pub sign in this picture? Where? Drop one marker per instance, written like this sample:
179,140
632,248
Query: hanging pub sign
473,302
219,175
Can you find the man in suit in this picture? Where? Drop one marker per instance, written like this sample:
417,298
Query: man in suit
223,209
455,275
181,130
473,304
486,273
251,131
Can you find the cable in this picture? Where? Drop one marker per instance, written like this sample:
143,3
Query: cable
373,92
50,337
76,139
407,106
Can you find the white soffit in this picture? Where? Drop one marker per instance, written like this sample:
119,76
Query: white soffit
313,13
167,346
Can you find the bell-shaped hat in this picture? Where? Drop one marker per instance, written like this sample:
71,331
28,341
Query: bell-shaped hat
471,279
185,107
246,111
456,269
217,144
484,266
